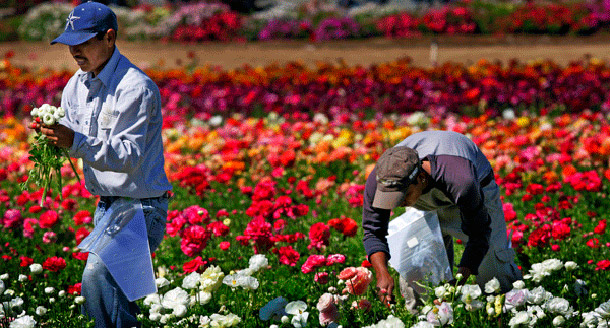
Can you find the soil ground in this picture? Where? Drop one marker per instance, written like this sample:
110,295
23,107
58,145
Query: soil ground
466,50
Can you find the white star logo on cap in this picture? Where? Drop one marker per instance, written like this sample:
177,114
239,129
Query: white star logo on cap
70,21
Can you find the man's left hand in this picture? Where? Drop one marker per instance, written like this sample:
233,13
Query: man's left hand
58,135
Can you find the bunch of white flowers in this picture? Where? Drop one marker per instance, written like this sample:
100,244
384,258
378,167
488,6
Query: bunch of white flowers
393,322
48,114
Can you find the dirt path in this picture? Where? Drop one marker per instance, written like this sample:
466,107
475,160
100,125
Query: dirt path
233,55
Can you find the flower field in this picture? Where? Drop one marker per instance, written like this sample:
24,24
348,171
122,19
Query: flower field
269,165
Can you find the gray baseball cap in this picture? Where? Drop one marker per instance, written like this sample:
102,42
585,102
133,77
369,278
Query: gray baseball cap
396,169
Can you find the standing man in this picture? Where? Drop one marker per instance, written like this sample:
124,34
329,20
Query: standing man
113,123
443,171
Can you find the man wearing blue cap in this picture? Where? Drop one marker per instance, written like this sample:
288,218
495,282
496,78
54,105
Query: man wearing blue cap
113,123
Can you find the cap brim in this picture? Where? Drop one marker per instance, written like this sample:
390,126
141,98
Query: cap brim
74,38
388,199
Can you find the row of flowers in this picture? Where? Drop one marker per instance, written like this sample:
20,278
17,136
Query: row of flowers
212,21
263,228
339,91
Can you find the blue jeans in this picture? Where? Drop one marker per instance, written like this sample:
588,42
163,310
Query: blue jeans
104,300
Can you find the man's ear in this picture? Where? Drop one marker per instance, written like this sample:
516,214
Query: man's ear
110,36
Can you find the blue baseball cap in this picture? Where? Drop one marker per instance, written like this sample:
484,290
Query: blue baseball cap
85,22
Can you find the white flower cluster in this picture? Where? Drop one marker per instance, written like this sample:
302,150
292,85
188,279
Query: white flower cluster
545,268
175,302
48,114
598,318
243,278
393,322
280,310
214,320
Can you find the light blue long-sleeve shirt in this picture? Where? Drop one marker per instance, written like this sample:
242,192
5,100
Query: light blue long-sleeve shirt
117,122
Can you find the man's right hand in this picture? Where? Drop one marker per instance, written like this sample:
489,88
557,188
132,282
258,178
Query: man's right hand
385,282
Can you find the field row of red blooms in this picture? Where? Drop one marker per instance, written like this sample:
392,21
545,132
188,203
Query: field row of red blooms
288,184
396,87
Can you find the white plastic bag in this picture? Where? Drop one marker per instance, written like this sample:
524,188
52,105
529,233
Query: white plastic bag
121,241
417,250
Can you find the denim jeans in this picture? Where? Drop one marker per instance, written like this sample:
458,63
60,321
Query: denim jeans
104,300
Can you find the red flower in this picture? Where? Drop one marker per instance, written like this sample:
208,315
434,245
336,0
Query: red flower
194,239
288,255
347,226
218,228
196,264
313,262
540,236
74,289
54,264
196,214
25,261
593,243
224,245
600,229
560,230
603,265
81,234
48,219
535,189
80,256
319,234
321,278
82,217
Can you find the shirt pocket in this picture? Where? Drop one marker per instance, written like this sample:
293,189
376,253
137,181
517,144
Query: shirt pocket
107,119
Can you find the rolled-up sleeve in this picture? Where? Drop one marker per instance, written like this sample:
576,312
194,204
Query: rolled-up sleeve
124,148
374,221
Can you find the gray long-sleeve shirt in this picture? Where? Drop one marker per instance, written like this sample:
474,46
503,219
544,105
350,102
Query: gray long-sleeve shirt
457,169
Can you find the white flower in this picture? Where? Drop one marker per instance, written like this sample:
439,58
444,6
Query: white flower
79,299
590,319
441,315
16,302
215,120
61,293
152,299
558,321
204,321
552,265
536,313
538,295
157,308
570,265
49,290
515,298
179,311
440,291
211,278
470,293
2,288
421,324
258,262
162,282
492,286
175,297
296,307
519,284
559,305
273,309
508,114
219,320
154,316
35,268
22,278
300,320
191,281
4,276
34,112
239,280
60,112
518,319
41,310
23,322
285,319
604,310
48,119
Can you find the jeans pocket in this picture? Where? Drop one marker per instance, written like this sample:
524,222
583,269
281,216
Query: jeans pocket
155,226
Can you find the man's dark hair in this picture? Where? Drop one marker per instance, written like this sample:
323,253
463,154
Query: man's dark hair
100,35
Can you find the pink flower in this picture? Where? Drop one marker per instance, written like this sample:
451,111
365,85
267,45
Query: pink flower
194,239
321,278
335,258
328,310
12,218
196,214
49,237
313,262
48,219
224,245
357,280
